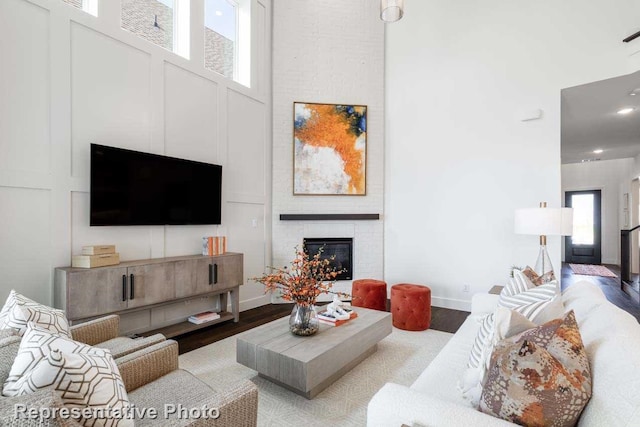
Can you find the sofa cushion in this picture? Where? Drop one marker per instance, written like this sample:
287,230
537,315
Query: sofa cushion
18,310
540,377
84,376
611,337
436,379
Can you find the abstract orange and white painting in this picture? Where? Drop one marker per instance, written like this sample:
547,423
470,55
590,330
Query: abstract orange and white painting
330,149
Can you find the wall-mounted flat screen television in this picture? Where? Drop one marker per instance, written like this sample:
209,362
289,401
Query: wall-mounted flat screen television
134,188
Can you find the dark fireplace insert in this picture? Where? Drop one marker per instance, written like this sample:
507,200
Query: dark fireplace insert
341,247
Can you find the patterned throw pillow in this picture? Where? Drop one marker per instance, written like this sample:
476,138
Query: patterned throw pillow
538,304
536,279
84,376
18,310
504,323
540,377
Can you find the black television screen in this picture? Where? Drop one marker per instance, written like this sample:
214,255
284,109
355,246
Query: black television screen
134,188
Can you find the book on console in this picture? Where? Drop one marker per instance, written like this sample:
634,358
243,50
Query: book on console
204,317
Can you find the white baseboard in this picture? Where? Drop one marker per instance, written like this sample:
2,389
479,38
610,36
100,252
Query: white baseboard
254,302
454,304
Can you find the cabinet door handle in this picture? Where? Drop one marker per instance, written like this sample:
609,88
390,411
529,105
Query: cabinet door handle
210,274
124,287
215,273
131,290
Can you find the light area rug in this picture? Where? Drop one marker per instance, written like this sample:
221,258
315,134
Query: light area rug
592,270
401,358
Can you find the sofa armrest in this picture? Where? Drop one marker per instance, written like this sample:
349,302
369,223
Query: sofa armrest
238,407
149,364
484,303
394,405
96,331
15,411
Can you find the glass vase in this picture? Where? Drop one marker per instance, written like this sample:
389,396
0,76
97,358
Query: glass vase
303,320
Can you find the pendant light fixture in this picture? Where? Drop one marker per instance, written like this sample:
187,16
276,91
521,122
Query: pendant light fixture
391,10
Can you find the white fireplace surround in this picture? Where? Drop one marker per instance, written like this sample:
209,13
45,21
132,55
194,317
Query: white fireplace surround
367,246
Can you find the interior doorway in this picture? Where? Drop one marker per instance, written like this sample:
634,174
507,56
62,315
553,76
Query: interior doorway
584,246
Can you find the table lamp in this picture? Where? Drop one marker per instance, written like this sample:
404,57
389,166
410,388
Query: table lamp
544,221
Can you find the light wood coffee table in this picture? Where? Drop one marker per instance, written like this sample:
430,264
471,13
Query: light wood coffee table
307,365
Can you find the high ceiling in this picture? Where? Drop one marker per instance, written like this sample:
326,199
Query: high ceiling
590,120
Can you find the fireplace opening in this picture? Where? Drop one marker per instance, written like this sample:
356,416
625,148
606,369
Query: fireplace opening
341,247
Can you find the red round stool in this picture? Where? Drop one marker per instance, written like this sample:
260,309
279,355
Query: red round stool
411,307
369,293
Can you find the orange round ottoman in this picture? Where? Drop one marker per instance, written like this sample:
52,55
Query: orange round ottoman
411,307
369,293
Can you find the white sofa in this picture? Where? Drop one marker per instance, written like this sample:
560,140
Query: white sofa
610,335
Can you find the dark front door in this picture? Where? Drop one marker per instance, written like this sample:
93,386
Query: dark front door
584,246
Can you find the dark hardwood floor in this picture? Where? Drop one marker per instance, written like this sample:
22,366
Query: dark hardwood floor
442,319
629,302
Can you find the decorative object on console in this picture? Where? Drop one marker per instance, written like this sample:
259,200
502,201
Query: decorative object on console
540,377
411,307
391,10
19,311
308,278
544,221
214,245
330,146
93,261
98,249
96,256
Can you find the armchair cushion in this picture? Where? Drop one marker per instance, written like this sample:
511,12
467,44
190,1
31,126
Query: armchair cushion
84,376
237,407
14,411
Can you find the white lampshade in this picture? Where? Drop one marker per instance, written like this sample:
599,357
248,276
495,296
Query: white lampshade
544,221
391,10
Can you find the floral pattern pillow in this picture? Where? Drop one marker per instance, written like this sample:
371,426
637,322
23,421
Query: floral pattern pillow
540,377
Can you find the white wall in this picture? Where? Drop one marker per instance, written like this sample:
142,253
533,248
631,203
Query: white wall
69,79
611,177
328,52
458,160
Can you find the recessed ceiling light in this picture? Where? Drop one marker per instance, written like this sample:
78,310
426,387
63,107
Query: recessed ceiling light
634,92
598,151
627,110
219,13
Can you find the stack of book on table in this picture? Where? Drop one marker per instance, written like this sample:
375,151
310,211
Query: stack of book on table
329,319
204,317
